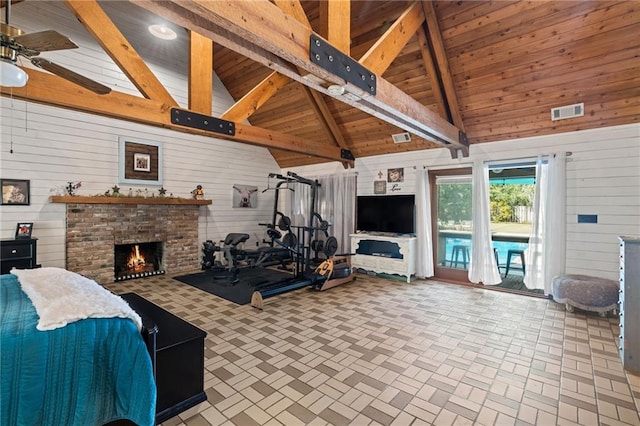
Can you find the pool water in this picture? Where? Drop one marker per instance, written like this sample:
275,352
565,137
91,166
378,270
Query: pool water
502,246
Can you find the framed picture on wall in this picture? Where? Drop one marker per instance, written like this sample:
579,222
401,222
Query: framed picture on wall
24,229
245,196
380,187
15,192
140,161
395,175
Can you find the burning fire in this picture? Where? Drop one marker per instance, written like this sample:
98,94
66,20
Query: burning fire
136,261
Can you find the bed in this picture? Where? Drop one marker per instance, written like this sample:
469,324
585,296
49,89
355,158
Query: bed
88,372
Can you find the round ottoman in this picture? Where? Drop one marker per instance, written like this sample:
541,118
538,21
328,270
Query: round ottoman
585,292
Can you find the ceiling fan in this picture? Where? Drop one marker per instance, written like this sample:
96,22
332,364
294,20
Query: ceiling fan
14,43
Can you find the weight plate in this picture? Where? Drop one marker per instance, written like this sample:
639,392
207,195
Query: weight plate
290,240
317,245
284,223
331,246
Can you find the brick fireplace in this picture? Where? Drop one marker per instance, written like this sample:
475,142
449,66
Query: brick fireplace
95,225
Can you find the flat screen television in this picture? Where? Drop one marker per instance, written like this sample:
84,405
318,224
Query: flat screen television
386,213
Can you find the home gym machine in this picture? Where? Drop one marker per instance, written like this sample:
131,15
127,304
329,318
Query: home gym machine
300,244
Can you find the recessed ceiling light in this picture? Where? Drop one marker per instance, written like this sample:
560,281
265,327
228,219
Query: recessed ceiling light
162,31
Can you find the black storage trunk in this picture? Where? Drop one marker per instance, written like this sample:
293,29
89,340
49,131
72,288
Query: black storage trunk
179,359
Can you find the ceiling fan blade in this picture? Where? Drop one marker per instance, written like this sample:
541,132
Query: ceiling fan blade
73,77
45,41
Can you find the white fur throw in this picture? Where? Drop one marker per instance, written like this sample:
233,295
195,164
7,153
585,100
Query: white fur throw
61,297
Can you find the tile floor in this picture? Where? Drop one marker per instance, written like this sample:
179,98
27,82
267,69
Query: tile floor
384,352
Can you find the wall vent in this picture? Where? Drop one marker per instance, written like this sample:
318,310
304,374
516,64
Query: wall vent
401,137
569,111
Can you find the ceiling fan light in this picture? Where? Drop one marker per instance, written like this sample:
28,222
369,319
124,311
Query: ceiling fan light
11,75
162,32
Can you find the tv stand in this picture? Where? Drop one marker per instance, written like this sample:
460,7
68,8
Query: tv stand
384,254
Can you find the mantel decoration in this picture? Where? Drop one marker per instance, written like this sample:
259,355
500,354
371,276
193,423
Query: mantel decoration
71,187
198,193
63,193
140,161
130,196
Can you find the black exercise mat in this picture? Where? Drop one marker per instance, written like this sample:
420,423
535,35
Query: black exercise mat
240,292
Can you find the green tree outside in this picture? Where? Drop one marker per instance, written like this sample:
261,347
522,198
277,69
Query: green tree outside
454,201
506,197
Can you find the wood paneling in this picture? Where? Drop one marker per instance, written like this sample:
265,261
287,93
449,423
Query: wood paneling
510,62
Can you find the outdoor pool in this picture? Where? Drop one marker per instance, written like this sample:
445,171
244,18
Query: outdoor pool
502,246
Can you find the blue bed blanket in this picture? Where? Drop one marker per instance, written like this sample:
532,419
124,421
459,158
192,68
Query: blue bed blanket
89,372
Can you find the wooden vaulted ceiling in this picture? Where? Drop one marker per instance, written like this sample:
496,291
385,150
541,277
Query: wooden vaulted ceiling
460,71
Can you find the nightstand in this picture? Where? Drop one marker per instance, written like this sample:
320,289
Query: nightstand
19,253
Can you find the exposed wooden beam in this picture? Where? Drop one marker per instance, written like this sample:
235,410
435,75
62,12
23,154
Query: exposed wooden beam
255,98
200,74
335,23
100,26
432,74
326,120
53,90
317,103
443,63
261,31
380,56
295,9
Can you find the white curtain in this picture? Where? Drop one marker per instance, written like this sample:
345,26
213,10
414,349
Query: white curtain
337,205
424,255
483,267
555,227
297,203
545,254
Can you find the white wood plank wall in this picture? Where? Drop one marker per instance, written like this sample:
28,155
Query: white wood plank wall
53,146
603,178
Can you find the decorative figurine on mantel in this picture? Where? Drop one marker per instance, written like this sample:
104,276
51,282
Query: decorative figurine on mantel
115,191
162,191
71,187
198,193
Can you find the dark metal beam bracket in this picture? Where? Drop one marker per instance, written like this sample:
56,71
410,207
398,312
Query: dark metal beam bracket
347,155
203,122
333,60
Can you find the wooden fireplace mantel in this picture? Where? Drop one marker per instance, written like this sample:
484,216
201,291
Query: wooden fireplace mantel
77,199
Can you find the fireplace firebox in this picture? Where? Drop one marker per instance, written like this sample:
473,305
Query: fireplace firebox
137,260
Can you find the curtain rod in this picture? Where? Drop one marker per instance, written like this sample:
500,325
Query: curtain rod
442,166
438,166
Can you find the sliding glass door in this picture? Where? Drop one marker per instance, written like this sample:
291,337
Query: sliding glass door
511,188
452,223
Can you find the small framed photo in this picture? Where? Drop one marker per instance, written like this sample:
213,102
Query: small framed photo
380,187
395,175
15,192
142,162
24,229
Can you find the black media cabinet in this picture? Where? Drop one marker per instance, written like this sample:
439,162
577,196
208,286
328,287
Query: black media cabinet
179,359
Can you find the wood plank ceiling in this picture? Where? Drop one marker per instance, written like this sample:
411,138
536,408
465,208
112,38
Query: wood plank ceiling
491,69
